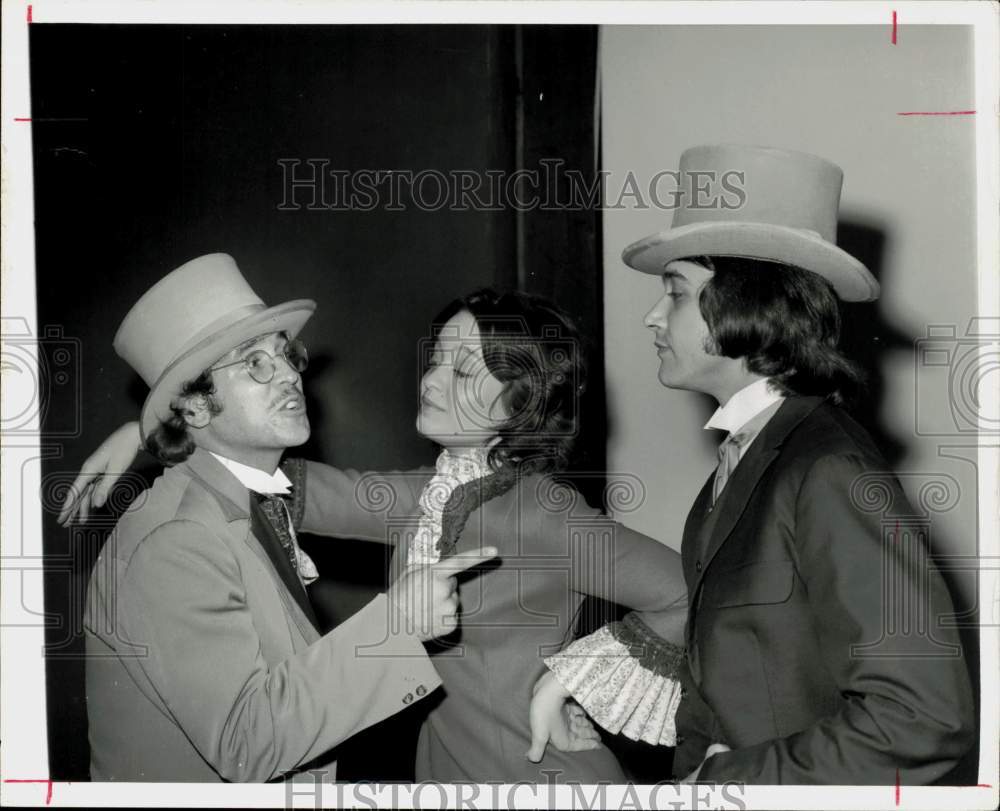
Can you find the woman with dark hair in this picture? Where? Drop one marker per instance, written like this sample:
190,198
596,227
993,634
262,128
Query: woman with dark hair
500,396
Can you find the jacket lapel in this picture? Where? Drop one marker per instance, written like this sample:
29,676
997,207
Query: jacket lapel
267,538
694,530
293,609
234,500
465,500
718,523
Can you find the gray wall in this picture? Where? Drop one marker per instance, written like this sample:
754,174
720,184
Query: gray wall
908,210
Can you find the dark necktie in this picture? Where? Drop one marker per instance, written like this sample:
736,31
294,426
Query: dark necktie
276,512
276,537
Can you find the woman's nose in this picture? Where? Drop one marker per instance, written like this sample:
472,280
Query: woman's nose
431,379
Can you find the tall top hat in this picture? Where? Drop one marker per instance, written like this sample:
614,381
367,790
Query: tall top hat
188,320
788,214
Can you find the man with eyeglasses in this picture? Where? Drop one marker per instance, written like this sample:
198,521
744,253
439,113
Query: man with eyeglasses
204,660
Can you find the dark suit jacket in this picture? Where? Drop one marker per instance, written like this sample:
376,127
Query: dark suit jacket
201,664
814,644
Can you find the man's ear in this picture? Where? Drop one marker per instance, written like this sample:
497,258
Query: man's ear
195,410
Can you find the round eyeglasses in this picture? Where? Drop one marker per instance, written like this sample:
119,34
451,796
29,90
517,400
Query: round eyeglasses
261,366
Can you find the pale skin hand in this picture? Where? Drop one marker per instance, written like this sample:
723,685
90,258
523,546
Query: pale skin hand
714,749
426,595
557,720
99,474
569,730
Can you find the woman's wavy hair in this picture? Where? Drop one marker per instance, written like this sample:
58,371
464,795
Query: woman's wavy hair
533,348
783,320
171,440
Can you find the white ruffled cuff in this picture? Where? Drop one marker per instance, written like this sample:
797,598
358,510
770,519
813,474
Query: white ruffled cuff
623,676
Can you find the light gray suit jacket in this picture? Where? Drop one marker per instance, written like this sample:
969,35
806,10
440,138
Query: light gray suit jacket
201,667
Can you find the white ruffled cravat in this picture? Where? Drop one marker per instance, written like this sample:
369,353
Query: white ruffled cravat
452,471
273,484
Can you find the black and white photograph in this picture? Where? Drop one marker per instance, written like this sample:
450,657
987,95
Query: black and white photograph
497,405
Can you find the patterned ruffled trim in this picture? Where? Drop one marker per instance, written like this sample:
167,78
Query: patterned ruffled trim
452,473
624,677
295,503
468,498
295,470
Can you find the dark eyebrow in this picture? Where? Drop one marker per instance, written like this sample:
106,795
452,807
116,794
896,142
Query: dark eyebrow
253,342
674,275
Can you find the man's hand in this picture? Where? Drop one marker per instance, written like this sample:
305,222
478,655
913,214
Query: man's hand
100,472
554,718
714,749
426,595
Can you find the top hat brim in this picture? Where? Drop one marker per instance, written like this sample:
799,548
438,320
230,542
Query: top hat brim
289,317
775,243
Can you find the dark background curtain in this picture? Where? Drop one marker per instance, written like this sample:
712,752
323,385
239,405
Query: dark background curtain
155,144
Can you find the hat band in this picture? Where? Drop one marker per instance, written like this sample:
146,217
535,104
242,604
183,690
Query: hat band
220,324
205,335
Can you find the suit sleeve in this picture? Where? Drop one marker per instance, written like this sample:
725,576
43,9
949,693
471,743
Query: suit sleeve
624,674
348,504
910,710
607,559
252,721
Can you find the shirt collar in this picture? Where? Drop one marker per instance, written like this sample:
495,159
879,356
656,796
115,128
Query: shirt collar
256,479
743,406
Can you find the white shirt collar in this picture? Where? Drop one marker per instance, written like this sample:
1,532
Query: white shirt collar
743,406
256,479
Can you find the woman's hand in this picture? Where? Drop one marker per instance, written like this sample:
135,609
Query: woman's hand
554,718
100,472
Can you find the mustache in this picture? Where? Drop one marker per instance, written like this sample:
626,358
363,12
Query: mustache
287,395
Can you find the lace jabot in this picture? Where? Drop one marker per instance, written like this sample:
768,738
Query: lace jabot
452,471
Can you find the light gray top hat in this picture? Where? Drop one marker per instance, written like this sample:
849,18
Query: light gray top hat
788,215
188,320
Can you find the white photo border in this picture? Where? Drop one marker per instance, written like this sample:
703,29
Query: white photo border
24,764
